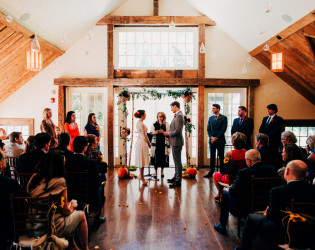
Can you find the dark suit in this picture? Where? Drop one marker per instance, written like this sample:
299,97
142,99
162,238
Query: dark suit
269,154
273,130
216,129
80,163
246,127
27,162
237,199
270,226
67,153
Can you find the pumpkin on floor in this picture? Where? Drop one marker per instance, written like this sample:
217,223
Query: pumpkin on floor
122,172
191,171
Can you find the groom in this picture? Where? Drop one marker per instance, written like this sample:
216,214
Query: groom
176,142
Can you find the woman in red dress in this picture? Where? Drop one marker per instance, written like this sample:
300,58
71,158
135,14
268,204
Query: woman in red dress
71,127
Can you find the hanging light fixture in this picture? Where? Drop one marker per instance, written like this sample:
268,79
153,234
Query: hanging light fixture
202,48
277,62
244,69
266,47
172,25
34,61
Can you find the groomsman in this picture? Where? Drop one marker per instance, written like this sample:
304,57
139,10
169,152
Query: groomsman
216,128
272,126
244,125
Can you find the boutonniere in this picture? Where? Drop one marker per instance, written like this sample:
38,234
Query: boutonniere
220,117
272,120
246,118
174,115
97,128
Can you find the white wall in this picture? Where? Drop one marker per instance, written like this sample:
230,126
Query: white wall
224,59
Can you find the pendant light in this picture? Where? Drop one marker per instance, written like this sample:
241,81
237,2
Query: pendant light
34,61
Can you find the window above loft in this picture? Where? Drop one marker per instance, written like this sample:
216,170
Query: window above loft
156,48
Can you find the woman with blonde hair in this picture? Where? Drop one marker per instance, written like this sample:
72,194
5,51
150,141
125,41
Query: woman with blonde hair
160,146
47,126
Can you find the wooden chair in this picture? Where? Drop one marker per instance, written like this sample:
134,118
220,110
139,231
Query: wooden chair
260,192
11,167
30,219
235,166
23,179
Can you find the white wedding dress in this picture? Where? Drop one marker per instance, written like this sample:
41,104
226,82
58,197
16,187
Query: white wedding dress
141,147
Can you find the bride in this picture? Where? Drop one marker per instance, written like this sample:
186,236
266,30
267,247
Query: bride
142,145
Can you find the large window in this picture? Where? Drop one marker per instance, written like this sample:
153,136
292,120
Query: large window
23,125
301,128
155,48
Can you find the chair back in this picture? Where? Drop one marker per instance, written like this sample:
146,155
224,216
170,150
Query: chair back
11,167
261,191
234,167
23,179
78,187
30,216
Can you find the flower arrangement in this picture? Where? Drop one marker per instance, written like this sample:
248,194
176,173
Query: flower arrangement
124,96
125,132
188,125
226,160
187,95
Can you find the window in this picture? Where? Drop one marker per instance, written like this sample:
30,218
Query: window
301,128
23,125
156,48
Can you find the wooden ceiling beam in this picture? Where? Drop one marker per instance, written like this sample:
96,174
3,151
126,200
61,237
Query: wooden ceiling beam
155,82
308,19
151,20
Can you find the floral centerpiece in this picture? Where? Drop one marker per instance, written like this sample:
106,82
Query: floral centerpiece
187,95
124,96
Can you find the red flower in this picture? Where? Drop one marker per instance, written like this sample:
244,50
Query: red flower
220,117
271,120
174,115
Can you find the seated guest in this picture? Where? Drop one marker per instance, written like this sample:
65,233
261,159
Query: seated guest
290,152
30,144
79,163
270,226
2,146
49,179
28,161
64,142
8,186
15,147
310,142
288,137
237,199
267,153
238,153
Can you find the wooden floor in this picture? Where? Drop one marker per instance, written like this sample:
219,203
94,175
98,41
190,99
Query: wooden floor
156,215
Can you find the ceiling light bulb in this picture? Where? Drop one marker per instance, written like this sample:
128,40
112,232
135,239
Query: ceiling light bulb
8,19
266,47
249,59
172,25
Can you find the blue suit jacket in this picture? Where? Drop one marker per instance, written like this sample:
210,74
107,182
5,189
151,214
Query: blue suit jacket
217,129
246,128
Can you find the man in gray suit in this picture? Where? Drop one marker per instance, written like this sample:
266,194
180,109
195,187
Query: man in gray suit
176,142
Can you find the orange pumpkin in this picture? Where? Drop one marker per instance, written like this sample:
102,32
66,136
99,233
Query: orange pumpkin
191,171
122,172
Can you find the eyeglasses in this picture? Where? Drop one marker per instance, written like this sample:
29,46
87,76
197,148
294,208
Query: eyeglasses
161,116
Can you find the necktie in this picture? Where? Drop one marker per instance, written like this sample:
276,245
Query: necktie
240,123
268,120
215,119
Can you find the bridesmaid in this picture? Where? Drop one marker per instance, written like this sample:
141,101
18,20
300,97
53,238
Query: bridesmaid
92,128
71,127
47,126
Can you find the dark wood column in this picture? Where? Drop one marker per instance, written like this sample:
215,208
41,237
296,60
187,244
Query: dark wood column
110,53
201,105
61,106
110,124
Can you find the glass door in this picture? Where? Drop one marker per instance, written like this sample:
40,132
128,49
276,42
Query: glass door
84,101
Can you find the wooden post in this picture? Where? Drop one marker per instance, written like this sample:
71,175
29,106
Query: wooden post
110,122
125,141
110,53
131,141
202,56
155,7
250,104
201,93
186,140
61,106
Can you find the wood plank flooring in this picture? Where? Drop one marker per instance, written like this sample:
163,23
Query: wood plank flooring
156,215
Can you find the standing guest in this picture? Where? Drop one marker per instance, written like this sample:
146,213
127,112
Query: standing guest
272,126
310,142
271,225
28,161
91,127
63,145
289,137
142,145
58,133
15,147
47,126
8,186
237,154
267,153
160,146
71,127
30,144
216,128
79,163
237,199
244,125
49,179
177,142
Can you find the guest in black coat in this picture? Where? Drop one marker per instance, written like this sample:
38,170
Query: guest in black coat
64,141
267,153
244,125
288,137
237,199
79,163
270,226
27,162
8,186
272,126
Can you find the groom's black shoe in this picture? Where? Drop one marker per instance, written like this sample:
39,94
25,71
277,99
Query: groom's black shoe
209,174
171,180
221,229
175,184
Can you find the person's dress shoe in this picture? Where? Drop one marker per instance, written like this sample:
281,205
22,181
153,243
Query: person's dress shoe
221,229
208,175
171,180
175,184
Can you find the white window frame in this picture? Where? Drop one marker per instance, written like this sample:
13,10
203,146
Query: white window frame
195,44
